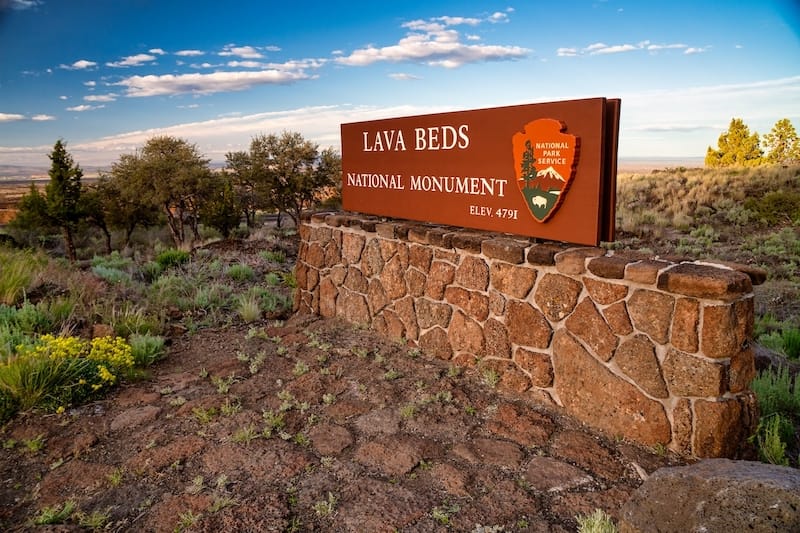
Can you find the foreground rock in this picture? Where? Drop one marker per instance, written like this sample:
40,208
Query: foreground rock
716,495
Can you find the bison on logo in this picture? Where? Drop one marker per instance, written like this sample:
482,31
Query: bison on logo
544,159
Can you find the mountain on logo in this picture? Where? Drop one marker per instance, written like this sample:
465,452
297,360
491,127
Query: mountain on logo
549,179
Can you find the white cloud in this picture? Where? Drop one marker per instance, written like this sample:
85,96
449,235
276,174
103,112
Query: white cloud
84,107
245,64
81,64
189,53
21,5
157,51
431,42
100,98
132,61
245,52
403,76
498,17
205,65
11,117
604,49
90,83
63,97
170,84
42,118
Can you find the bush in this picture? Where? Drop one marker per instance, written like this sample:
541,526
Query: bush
240,272
172,257
17,270
146,349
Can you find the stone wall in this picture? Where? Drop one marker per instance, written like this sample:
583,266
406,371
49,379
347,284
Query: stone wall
656,351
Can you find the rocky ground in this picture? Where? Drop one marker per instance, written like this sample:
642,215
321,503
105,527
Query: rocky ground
311,425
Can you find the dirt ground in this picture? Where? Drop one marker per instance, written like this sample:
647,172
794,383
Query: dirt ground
311,425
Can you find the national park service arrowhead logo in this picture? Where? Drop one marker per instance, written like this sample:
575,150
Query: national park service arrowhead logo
544,159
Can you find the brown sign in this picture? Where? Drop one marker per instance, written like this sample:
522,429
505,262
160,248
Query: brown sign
540,170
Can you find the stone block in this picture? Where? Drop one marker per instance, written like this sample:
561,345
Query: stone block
465,335
337,275
393,278
315,256
436,343
715,495
371,260
352,307
441,275
420,257
506,250
646,271
320,234
352,245
651,313
430,313
603,292
544,254
557,295
512,280
688,375
418,234
609,266
594,395
355,280
328,294
682,427
684,325
538,365
441,237
497,344
497,303
405,310
333,254
527,326
573,261
637,358
475,304
726,328
617,318
587,324
741,371
473,273
376,297
704,281
718,428
415,281
386,230
469,242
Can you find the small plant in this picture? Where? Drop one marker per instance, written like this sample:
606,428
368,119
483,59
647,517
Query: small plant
245,435
197,485
275,422
443,513
325,507
56,514
276,256
272,279
771,436
172,257
146,349
454,371
230,408
204,416
596,522
95,521
491,377
300,368
35,444
223,385
187,519
328,398
248,307
408,411
115,477
240,272
221,502
301,439
391,375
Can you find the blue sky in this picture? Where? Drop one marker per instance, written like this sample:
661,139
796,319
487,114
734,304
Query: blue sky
105,76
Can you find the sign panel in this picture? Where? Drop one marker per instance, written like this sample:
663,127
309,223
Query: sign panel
539,170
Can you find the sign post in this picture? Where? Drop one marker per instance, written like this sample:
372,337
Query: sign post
540,170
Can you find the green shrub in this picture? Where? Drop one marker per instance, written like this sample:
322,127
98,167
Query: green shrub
113,260
151,270
212,297
776,393
240,272
17,270
272,279
776,207
248,307
146,349
773,433
172,257
791,342
276,256
111,275
596,522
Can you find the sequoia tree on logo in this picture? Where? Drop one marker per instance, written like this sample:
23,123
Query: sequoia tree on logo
545,159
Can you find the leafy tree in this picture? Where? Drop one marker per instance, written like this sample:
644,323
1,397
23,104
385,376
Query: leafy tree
126,201
170,174
59,206
94,211
221,209
736,147
240,168
290,172
782,143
